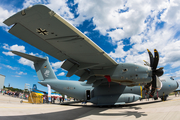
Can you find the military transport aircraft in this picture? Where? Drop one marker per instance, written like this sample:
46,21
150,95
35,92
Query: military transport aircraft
115,94
47,31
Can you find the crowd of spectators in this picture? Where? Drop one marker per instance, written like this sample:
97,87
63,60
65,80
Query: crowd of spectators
14,94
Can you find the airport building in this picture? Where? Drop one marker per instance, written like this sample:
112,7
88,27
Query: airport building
2,78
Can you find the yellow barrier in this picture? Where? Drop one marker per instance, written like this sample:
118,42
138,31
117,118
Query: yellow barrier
35,98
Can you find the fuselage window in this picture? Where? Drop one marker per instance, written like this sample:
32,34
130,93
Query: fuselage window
124,70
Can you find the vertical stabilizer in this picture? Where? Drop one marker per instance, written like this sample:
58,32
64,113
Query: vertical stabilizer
34,87
42,66
44,70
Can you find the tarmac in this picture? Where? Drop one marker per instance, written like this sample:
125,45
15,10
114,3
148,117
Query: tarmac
12,109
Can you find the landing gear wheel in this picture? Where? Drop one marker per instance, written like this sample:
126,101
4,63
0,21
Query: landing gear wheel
164,98
155,98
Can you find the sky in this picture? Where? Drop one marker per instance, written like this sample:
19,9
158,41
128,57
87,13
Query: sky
124,29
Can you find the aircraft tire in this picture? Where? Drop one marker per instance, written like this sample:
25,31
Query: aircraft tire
155,98
164,98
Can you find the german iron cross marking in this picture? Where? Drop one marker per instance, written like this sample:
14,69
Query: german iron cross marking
41,31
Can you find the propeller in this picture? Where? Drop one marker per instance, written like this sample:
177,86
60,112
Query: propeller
156,72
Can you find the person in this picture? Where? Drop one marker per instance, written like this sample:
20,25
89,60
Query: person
63,99
163,96
57,98
47,101
178,93
60,99
175,94
53,100
44,99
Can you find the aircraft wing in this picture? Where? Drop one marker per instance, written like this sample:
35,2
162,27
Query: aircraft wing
47,31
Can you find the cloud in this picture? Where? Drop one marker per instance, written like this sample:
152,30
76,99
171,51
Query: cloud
158,33
4,15
177,73
20,48
15,47
59,6
119,52
21,73
17,76
10,67
56,65
172,14
8,53
27,62
61,74
127,18
86,32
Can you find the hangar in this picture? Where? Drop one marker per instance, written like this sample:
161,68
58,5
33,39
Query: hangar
2,78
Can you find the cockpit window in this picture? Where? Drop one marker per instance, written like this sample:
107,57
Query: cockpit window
171,78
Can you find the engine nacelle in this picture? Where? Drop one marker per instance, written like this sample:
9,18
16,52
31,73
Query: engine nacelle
132,74
115,99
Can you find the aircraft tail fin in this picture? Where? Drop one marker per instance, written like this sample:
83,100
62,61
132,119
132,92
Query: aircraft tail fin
42,66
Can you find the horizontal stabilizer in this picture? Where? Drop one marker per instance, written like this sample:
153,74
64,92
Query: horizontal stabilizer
42,66
29,57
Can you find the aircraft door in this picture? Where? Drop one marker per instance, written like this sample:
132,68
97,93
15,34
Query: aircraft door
88,94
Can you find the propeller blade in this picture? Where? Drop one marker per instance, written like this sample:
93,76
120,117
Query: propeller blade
160,68
154,81
158,83
153,86
151,57
147,64
156,59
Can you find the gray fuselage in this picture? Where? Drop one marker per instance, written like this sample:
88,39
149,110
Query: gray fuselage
107,93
